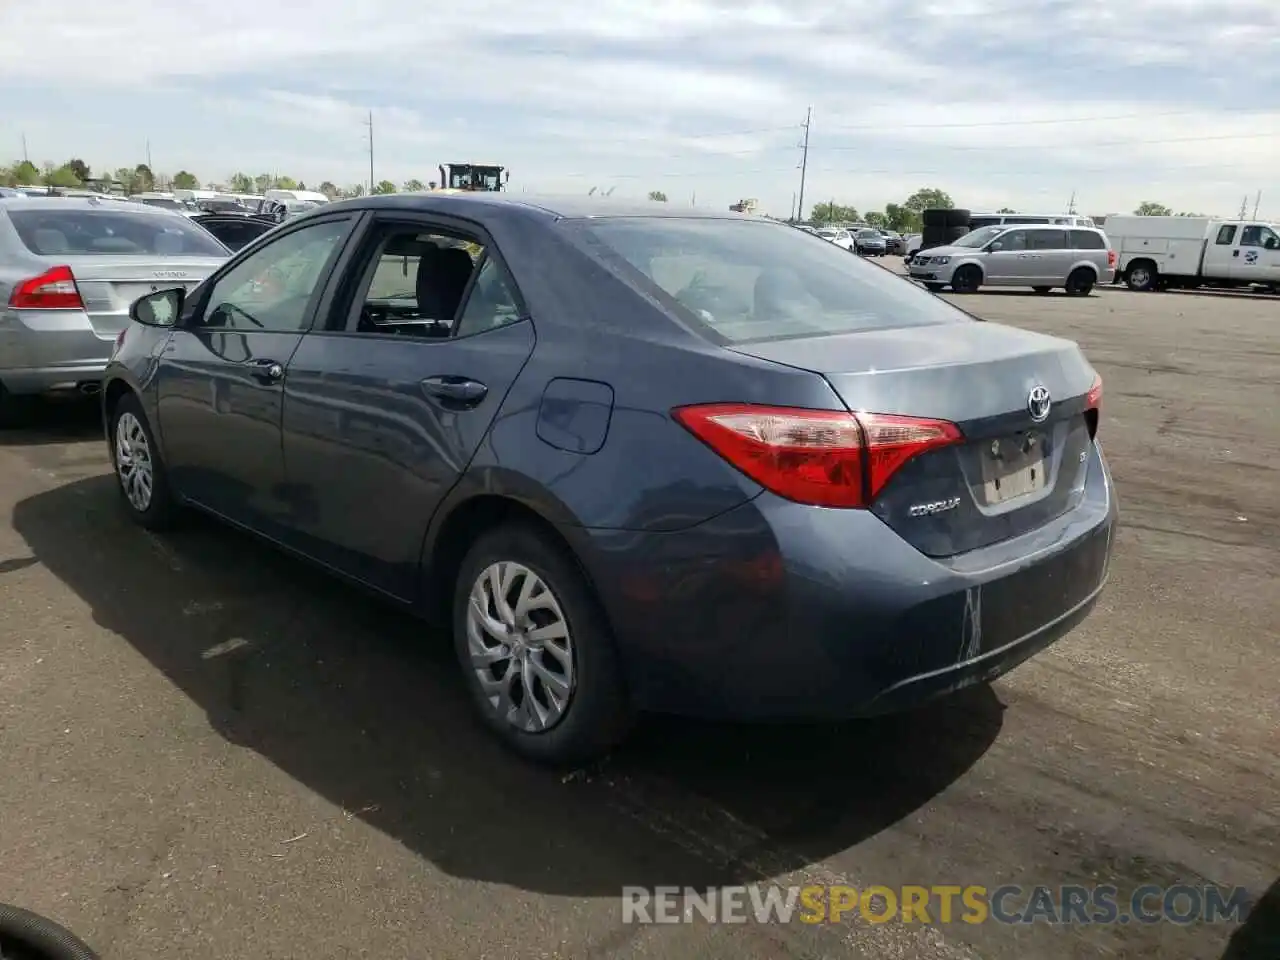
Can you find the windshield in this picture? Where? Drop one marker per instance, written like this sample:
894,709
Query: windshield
741,281
118,232
979,238
869,234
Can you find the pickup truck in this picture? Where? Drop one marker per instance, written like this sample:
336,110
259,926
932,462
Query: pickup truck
1155,253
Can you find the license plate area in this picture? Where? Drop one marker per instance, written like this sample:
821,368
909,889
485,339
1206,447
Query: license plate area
1013,467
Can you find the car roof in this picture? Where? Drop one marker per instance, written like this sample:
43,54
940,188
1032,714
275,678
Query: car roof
493,205
82,203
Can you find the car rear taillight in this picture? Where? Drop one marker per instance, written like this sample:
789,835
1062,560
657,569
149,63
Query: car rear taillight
55,289
824,458
1111,259
1093,405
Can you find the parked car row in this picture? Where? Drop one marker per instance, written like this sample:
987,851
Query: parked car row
736,473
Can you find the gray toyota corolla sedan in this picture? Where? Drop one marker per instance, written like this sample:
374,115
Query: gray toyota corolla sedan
638,459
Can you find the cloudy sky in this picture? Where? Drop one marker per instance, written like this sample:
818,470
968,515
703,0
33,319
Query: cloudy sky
999,102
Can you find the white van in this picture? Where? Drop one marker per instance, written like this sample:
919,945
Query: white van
979,220
283,196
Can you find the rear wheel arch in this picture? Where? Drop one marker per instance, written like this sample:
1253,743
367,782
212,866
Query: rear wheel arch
464,524
113,392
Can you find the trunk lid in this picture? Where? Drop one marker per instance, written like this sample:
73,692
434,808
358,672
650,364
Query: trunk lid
1015,470
109,285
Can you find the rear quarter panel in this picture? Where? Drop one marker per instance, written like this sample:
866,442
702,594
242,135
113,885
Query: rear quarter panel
649,474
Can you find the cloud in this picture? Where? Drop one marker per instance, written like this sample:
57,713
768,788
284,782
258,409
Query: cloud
999,102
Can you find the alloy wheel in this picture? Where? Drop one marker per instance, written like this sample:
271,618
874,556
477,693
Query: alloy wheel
520,647
133,461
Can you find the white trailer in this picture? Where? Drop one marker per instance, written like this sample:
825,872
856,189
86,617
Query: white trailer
1155,253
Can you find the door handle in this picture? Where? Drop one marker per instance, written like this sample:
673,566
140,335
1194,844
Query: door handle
268,371
455,389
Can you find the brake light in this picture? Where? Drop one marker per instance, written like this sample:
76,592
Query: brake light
1093,399
1111,259
54,289
824,458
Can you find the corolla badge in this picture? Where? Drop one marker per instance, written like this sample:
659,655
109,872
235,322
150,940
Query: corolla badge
1038,403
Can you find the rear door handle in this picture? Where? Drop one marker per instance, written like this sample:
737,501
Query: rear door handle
268,371
455,389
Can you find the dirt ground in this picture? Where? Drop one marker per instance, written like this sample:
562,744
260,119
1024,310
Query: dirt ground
211,750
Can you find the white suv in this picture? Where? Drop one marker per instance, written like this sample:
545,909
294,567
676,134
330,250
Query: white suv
1035,256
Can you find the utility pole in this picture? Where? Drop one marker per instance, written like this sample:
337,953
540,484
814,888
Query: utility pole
369,124
804,160
25,157
1071,204
1256,200
149,156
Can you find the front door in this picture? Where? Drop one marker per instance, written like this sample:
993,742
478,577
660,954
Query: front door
220,381
1007,261
1257,260
385,407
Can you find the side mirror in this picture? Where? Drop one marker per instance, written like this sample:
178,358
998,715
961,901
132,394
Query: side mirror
1271,243
159,309
995,246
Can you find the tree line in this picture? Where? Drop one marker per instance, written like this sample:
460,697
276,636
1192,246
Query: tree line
75,173
903,217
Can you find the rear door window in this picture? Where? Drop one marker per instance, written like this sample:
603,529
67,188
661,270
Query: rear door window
87,232
739,281
1047,240
1087,240
1227,235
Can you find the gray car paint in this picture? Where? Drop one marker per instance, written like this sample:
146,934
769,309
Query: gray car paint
724,599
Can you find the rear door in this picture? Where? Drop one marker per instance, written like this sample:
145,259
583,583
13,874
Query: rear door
1050,255
386,404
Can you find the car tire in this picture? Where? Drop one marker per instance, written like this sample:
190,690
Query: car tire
137,463
966,279
1142,276
29,935
1080,282
593,713
1042,290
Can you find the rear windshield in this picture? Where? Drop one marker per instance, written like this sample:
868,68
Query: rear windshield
117,232
741,281
167,202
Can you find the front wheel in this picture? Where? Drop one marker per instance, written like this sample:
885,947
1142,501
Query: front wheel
967,279
1080,282
139,467
536,649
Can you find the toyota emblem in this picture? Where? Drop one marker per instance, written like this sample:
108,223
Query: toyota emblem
1038,403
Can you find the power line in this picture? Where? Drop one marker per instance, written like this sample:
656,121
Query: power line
1074,145
1145,115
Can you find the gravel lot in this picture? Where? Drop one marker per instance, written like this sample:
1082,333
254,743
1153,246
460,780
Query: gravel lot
211,750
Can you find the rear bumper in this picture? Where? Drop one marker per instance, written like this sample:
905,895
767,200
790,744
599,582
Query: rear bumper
778,611
54,351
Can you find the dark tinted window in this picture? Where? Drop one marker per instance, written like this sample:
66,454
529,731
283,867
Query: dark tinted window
1026,219
1087,240
745,280
1047,240
111,232
1227,234
236,233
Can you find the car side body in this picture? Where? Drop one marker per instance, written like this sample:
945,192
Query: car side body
385,458
1025,255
